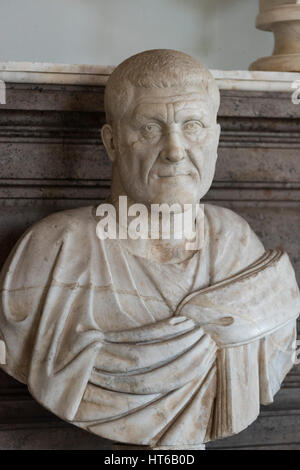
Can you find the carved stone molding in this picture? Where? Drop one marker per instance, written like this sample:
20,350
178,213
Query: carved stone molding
52,158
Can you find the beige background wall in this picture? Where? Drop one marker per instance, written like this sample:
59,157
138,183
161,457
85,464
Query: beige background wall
220,33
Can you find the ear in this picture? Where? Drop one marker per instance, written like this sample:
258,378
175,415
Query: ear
218,132
108,141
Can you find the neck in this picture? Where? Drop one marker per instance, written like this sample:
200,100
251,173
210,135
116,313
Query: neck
161,237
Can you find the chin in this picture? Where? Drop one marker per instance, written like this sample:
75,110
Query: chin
177,199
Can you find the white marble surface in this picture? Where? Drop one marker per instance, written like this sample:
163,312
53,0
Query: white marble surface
255,80
51,73
141,340
97,75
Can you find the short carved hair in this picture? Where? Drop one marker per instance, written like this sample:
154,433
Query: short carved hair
157,68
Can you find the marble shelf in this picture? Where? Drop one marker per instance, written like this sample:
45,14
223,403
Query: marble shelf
97,75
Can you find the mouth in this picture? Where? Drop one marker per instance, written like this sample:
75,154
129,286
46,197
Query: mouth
173,175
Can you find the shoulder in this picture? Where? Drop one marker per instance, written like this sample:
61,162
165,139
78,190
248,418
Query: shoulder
61,223
38,250
233,243
223,221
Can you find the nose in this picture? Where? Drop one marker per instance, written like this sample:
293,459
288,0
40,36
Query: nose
173,150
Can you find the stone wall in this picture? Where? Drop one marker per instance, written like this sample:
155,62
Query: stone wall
52,158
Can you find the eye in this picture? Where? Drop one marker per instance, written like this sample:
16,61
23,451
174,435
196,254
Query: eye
193,127
151,130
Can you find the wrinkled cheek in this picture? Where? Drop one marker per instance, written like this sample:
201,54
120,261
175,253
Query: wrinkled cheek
196,156
210,157
136,160
128,153
146,154
212,141
209,165
204,158
126,162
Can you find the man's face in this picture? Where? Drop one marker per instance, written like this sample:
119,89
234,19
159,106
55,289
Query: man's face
167,146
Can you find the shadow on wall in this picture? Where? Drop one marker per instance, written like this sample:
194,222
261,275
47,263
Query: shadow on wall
211,10
220,33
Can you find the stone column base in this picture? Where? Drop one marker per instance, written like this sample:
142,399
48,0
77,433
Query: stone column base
283,19
277,63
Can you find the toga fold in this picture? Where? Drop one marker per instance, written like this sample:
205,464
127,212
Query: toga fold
144,352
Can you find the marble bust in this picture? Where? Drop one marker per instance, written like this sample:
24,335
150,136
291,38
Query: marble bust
141,340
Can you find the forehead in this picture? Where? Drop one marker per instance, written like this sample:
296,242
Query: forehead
146,100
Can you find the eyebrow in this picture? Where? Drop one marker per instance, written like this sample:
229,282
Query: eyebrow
151,114
193,113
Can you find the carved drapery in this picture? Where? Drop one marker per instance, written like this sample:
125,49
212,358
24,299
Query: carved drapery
52,158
